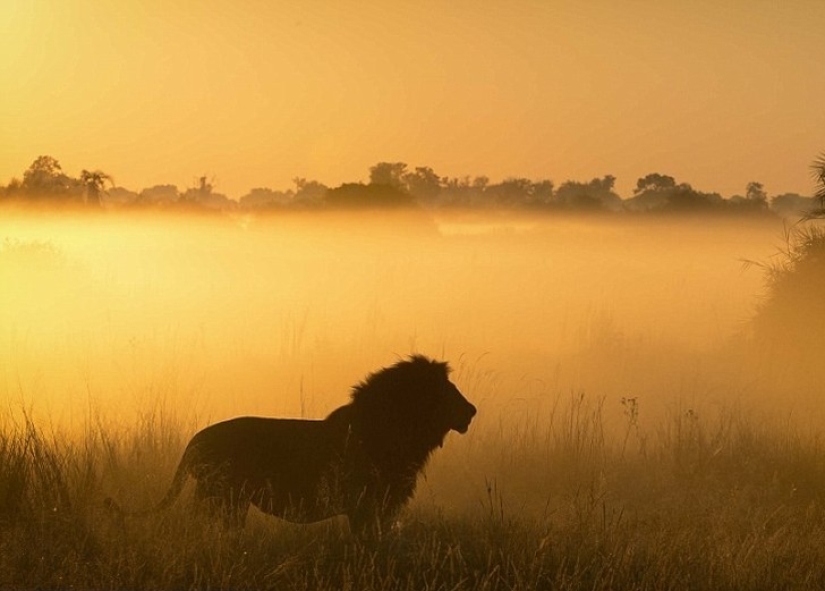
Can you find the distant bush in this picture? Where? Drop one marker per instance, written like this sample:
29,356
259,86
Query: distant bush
790,315
360,196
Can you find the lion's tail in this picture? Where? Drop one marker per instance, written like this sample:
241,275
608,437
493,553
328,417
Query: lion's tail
181,474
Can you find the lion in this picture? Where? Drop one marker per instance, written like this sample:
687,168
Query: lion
361,461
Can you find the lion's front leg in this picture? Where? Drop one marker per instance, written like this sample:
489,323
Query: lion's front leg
374,515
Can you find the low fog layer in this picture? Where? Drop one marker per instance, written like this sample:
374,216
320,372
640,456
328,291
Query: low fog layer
279,317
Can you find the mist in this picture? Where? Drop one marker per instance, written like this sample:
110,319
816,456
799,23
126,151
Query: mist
280,316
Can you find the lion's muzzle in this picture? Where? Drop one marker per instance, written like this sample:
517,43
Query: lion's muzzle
469,412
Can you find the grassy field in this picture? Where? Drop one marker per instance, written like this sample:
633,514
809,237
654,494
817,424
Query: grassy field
629,435
690,505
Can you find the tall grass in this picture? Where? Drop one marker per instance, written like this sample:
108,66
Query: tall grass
695,502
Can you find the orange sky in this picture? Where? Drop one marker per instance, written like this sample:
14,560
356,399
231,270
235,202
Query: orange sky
254,93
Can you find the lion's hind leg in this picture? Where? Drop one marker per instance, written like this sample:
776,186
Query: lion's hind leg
222,503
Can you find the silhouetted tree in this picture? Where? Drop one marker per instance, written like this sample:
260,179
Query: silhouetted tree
309,193
423,183
94,183
652,192
459,192
198,194
45,178
456,182
542,193
12,190
659,192
388,173
204,196
519,192
120,196
756,195
685,198
265,198
509,193
480,183
361,196
42,170
792,204
162,195
654,182
597,194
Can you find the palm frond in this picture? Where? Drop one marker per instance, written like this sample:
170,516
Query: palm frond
818,171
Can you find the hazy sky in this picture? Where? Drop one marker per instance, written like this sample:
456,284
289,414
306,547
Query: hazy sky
254,93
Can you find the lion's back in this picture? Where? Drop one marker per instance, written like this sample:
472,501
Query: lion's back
255,448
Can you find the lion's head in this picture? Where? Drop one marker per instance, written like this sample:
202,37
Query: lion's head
411,405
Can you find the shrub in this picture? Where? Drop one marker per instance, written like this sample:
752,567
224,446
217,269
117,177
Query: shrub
790,314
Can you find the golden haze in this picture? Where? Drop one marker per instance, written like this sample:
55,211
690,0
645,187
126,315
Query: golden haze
219,316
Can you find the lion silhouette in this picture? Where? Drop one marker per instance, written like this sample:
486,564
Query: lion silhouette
361,461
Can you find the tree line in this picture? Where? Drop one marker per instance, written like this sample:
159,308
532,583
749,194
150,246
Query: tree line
395,185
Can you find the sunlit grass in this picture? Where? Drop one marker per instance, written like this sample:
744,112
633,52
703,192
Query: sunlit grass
723,502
